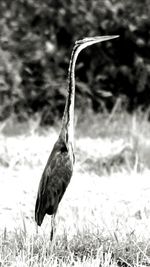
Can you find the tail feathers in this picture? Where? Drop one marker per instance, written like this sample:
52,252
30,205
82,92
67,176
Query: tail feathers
39,212
44,205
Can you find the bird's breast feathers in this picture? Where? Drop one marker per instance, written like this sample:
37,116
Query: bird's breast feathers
59,167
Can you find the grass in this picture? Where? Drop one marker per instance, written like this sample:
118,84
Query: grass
104,217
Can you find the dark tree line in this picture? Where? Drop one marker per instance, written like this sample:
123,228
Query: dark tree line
36,38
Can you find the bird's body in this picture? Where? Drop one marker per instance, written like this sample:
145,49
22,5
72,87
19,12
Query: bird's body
54,181
59,167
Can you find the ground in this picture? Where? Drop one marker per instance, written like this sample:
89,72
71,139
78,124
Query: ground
107,202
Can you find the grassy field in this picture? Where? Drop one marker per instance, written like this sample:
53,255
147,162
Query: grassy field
104,217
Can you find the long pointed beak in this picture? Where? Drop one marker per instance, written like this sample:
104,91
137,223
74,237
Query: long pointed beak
96,39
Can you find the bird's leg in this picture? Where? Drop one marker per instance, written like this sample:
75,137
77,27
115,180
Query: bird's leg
37,229
53,227
52,234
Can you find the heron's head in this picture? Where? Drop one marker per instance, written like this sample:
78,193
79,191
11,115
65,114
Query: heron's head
83,43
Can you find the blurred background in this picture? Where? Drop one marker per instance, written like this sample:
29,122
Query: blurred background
36,39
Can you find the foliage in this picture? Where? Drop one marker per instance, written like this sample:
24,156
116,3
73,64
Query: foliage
36,38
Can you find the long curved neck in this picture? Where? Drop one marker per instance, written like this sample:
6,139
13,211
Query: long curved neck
68,116
67,130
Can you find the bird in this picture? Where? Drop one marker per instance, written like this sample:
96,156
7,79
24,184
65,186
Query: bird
59,167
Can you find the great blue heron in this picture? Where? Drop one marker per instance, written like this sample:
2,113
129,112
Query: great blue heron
59,167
